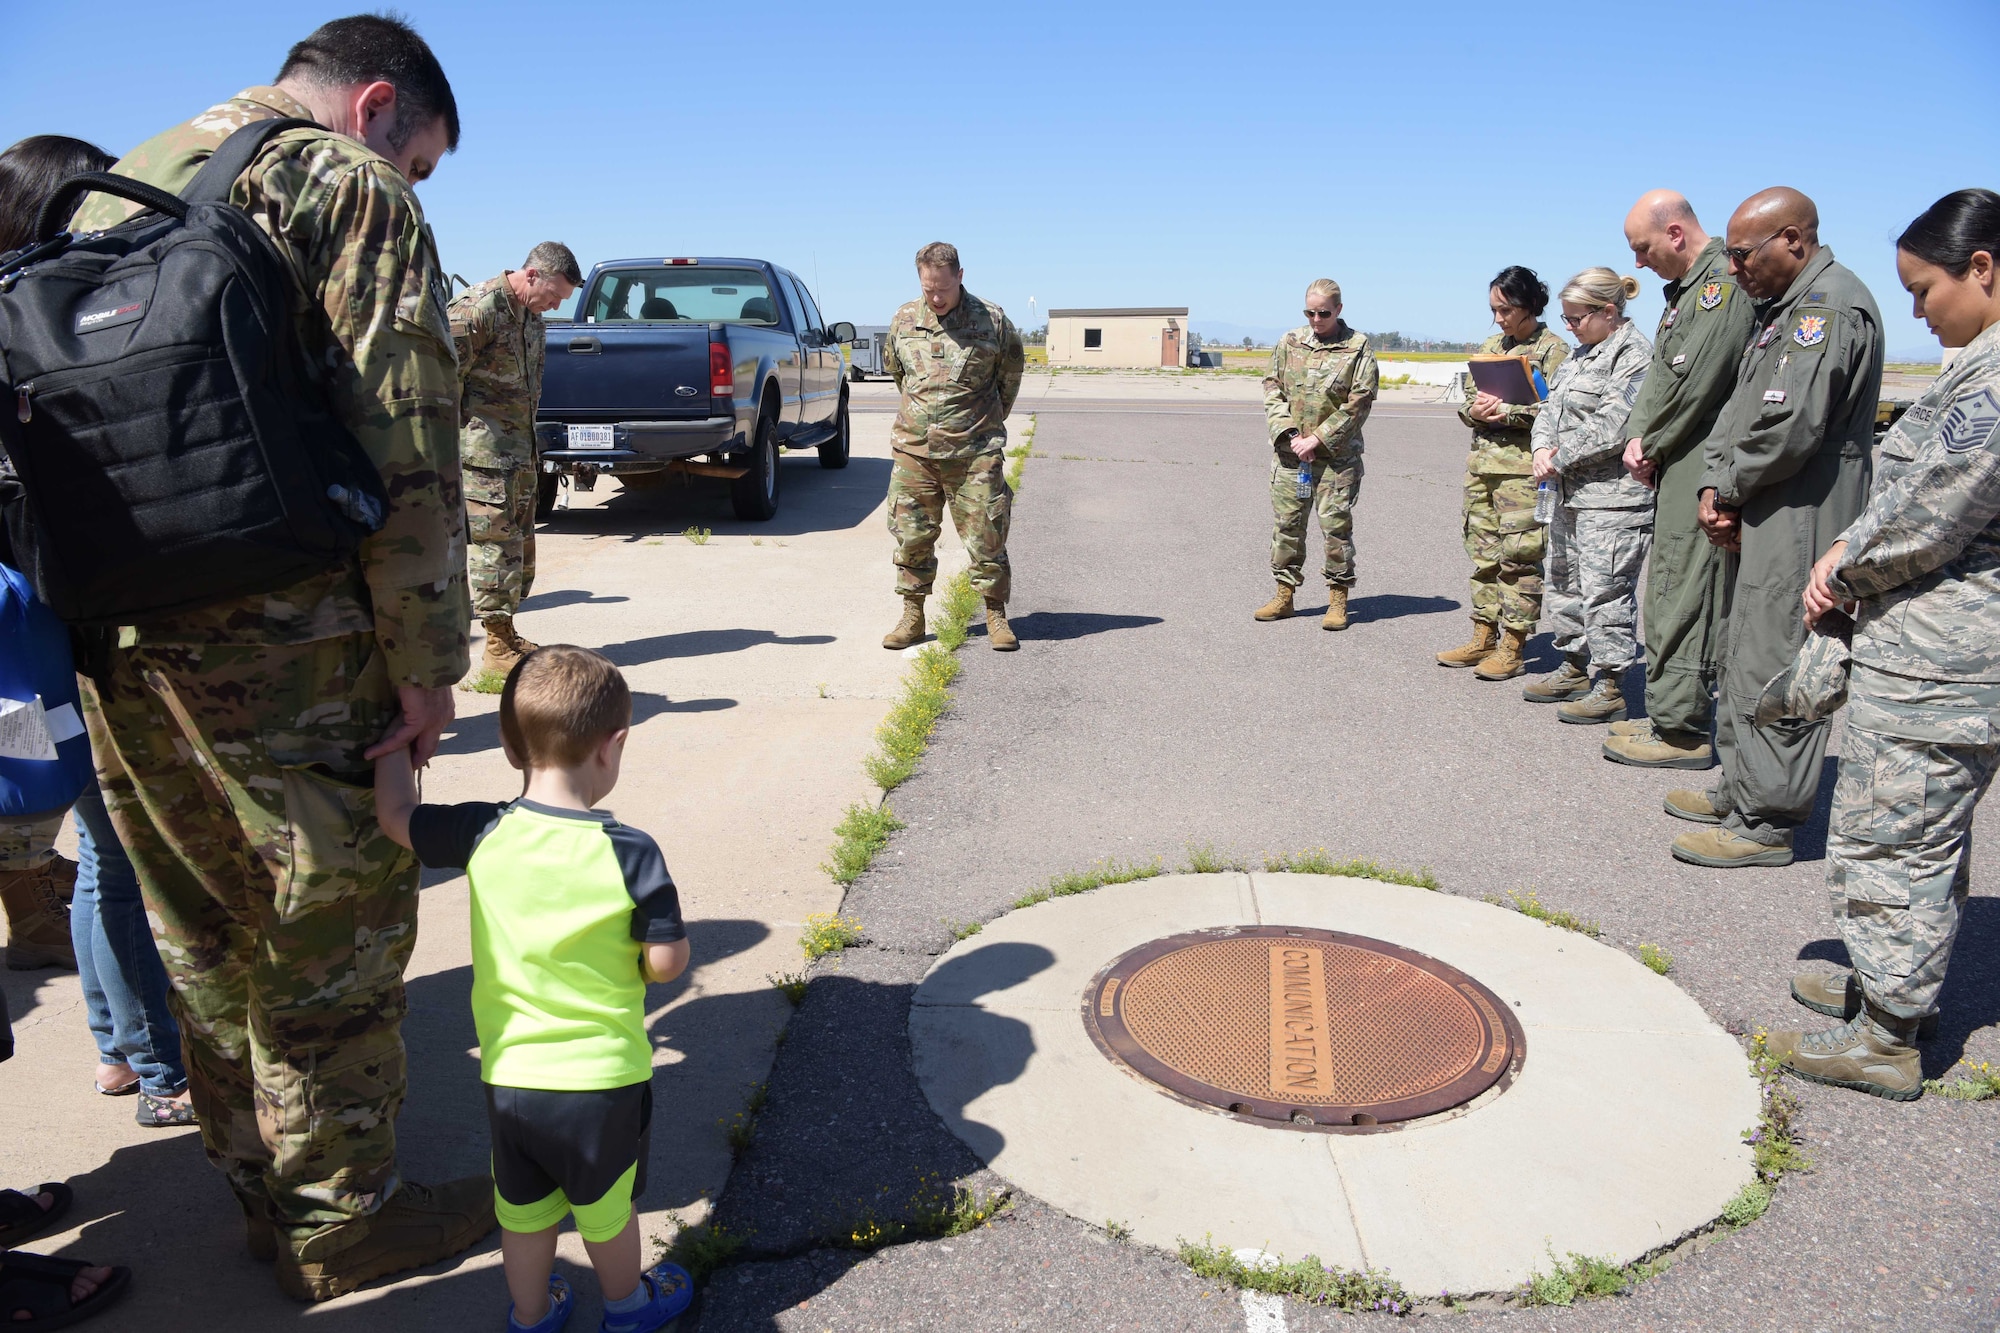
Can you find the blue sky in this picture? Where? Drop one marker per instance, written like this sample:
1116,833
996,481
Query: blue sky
1119,154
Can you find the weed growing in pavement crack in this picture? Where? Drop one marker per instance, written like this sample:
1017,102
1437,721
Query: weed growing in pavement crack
740,1129
961,930
1020,453
862,832
1307,1279
1318,862
699,536
1983,1085
1107,871
486,682
1117,1230
701,1249
958,603
1774,1144
1205,860
791,985
906,732
935,1214
1531,904
1653,956
828,932
1580,1277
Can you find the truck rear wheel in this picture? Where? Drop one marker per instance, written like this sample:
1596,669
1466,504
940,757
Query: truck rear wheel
754,495
833,454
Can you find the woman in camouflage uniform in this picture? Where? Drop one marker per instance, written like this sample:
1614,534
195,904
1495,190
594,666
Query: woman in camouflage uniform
1501,534
1604,523
1922,568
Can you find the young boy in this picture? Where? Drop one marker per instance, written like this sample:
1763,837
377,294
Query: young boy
572,914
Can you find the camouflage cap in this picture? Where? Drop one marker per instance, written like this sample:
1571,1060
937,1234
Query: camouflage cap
1814,686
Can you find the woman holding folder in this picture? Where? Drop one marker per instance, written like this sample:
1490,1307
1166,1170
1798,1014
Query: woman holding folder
1501,534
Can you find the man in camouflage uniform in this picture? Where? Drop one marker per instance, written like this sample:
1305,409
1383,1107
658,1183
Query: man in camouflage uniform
233,742
498,329
1702,333
1501,535
1923,726
1321,383
1786,470
957,362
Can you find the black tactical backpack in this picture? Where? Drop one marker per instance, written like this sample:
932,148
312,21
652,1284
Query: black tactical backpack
170,446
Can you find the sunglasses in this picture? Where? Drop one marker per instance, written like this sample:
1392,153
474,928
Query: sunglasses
1741,253
1321,314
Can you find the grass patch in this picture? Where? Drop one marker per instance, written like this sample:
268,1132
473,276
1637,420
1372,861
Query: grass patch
1205,860
862,832
702,1249
906,732
1774,1143
699,536
1748,1205
1307,1279
1580,1277
486,682
935,1214
1318,861
1978,1084
1653,956
1531,904
1107,871
1020,454
961,930
828,932
1118,1231
791,985
740,1130
958,603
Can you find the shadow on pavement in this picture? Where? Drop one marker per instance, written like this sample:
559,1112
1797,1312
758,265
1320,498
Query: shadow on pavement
1058,626
1389,606
477,732
549,601
701,643
810,499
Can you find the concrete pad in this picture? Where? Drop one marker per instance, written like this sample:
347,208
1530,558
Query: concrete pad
1621,1134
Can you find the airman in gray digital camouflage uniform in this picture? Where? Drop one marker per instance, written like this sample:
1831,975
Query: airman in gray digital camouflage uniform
1321,383
1923,722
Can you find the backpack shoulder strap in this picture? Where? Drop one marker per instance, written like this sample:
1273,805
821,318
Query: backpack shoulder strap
233,157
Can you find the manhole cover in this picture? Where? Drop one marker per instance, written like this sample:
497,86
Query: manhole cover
1303,1028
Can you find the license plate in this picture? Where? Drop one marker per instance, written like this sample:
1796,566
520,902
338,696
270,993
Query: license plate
590,437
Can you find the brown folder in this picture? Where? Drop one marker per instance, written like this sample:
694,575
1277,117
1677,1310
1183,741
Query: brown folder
1511,379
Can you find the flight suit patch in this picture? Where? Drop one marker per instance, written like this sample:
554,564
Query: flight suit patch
1712,295
1810,331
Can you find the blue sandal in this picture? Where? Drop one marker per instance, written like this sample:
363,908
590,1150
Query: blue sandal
672,1291
558,1315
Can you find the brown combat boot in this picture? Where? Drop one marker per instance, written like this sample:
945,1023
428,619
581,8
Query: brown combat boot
1691,805
1721,849
1838,995
999,634
1604,703
37,918
1504,662
419,1225
1570,681
1279,607
1870,1053
1336,609
259,1235
910,628
1477,649
1643,745
504,646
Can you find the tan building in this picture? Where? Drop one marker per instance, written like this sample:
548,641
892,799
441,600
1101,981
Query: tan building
1127,339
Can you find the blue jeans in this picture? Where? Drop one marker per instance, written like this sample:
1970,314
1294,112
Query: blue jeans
124,982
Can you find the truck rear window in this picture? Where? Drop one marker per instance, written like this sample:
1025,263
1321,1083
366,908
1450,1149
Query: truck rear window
688,294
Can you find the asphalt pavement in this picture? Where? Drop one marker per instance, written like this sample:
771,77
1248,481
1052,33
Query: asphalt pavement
1146,714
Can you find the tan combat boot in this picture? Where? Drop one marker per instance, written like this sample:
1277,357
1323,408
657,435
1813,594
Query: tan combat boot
1870,1053
1336,609
419,1225
37,919
1604,703
1693,806
1570,681
1720,849
1475,650
999,634
1642,745
504,647
1279,607
1504,662
910,628
1838,995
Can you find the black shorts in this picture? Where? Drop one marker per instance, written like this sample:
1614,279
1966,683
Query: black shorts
554,1152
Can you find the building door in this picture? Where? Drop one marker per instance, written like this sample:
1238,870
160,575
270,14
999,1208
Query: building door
1170,345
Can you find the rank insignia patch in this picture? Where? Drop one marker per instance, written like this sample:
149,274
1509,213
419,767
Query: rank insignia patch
1711,295
1811,331
1971,424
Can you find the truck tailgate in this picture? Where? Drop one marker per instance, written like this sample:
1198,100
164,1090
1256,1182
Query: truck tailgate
614,372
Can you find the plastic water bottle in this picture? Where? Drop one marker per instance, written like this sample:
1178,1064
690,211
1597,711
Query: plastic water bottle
1545,504
1305,481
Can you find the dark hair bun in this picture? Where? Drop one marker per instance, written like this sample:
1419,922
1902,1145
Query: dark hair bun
1522,287
1953,229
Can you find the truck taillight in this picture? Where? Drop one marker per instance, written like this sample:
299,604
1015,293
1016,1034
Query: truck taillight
721,374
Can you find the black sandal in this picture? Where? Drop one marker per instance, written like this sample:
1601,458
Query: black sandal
163,1113
22,1219
38,1286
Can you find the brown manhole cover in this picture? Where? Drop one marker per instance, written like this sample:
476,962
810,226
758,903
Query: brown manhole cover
1309,1029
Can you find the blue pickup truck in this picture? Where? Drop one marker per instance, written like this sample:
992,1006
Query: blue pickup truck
705,367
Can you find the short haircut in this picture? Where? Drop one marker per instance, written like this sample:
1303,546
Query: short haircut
557,258
1600,287
367,48
30,171
1326,287
1522,287
1948,233
559,704
939,254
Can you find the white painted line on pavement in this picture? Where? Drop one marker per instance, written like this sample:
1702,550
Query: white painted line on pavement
1262,1313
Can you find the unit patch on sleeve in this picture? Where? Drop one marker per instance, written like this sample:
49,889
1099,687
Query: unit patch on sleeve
1810,331
1971,423
1711,295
